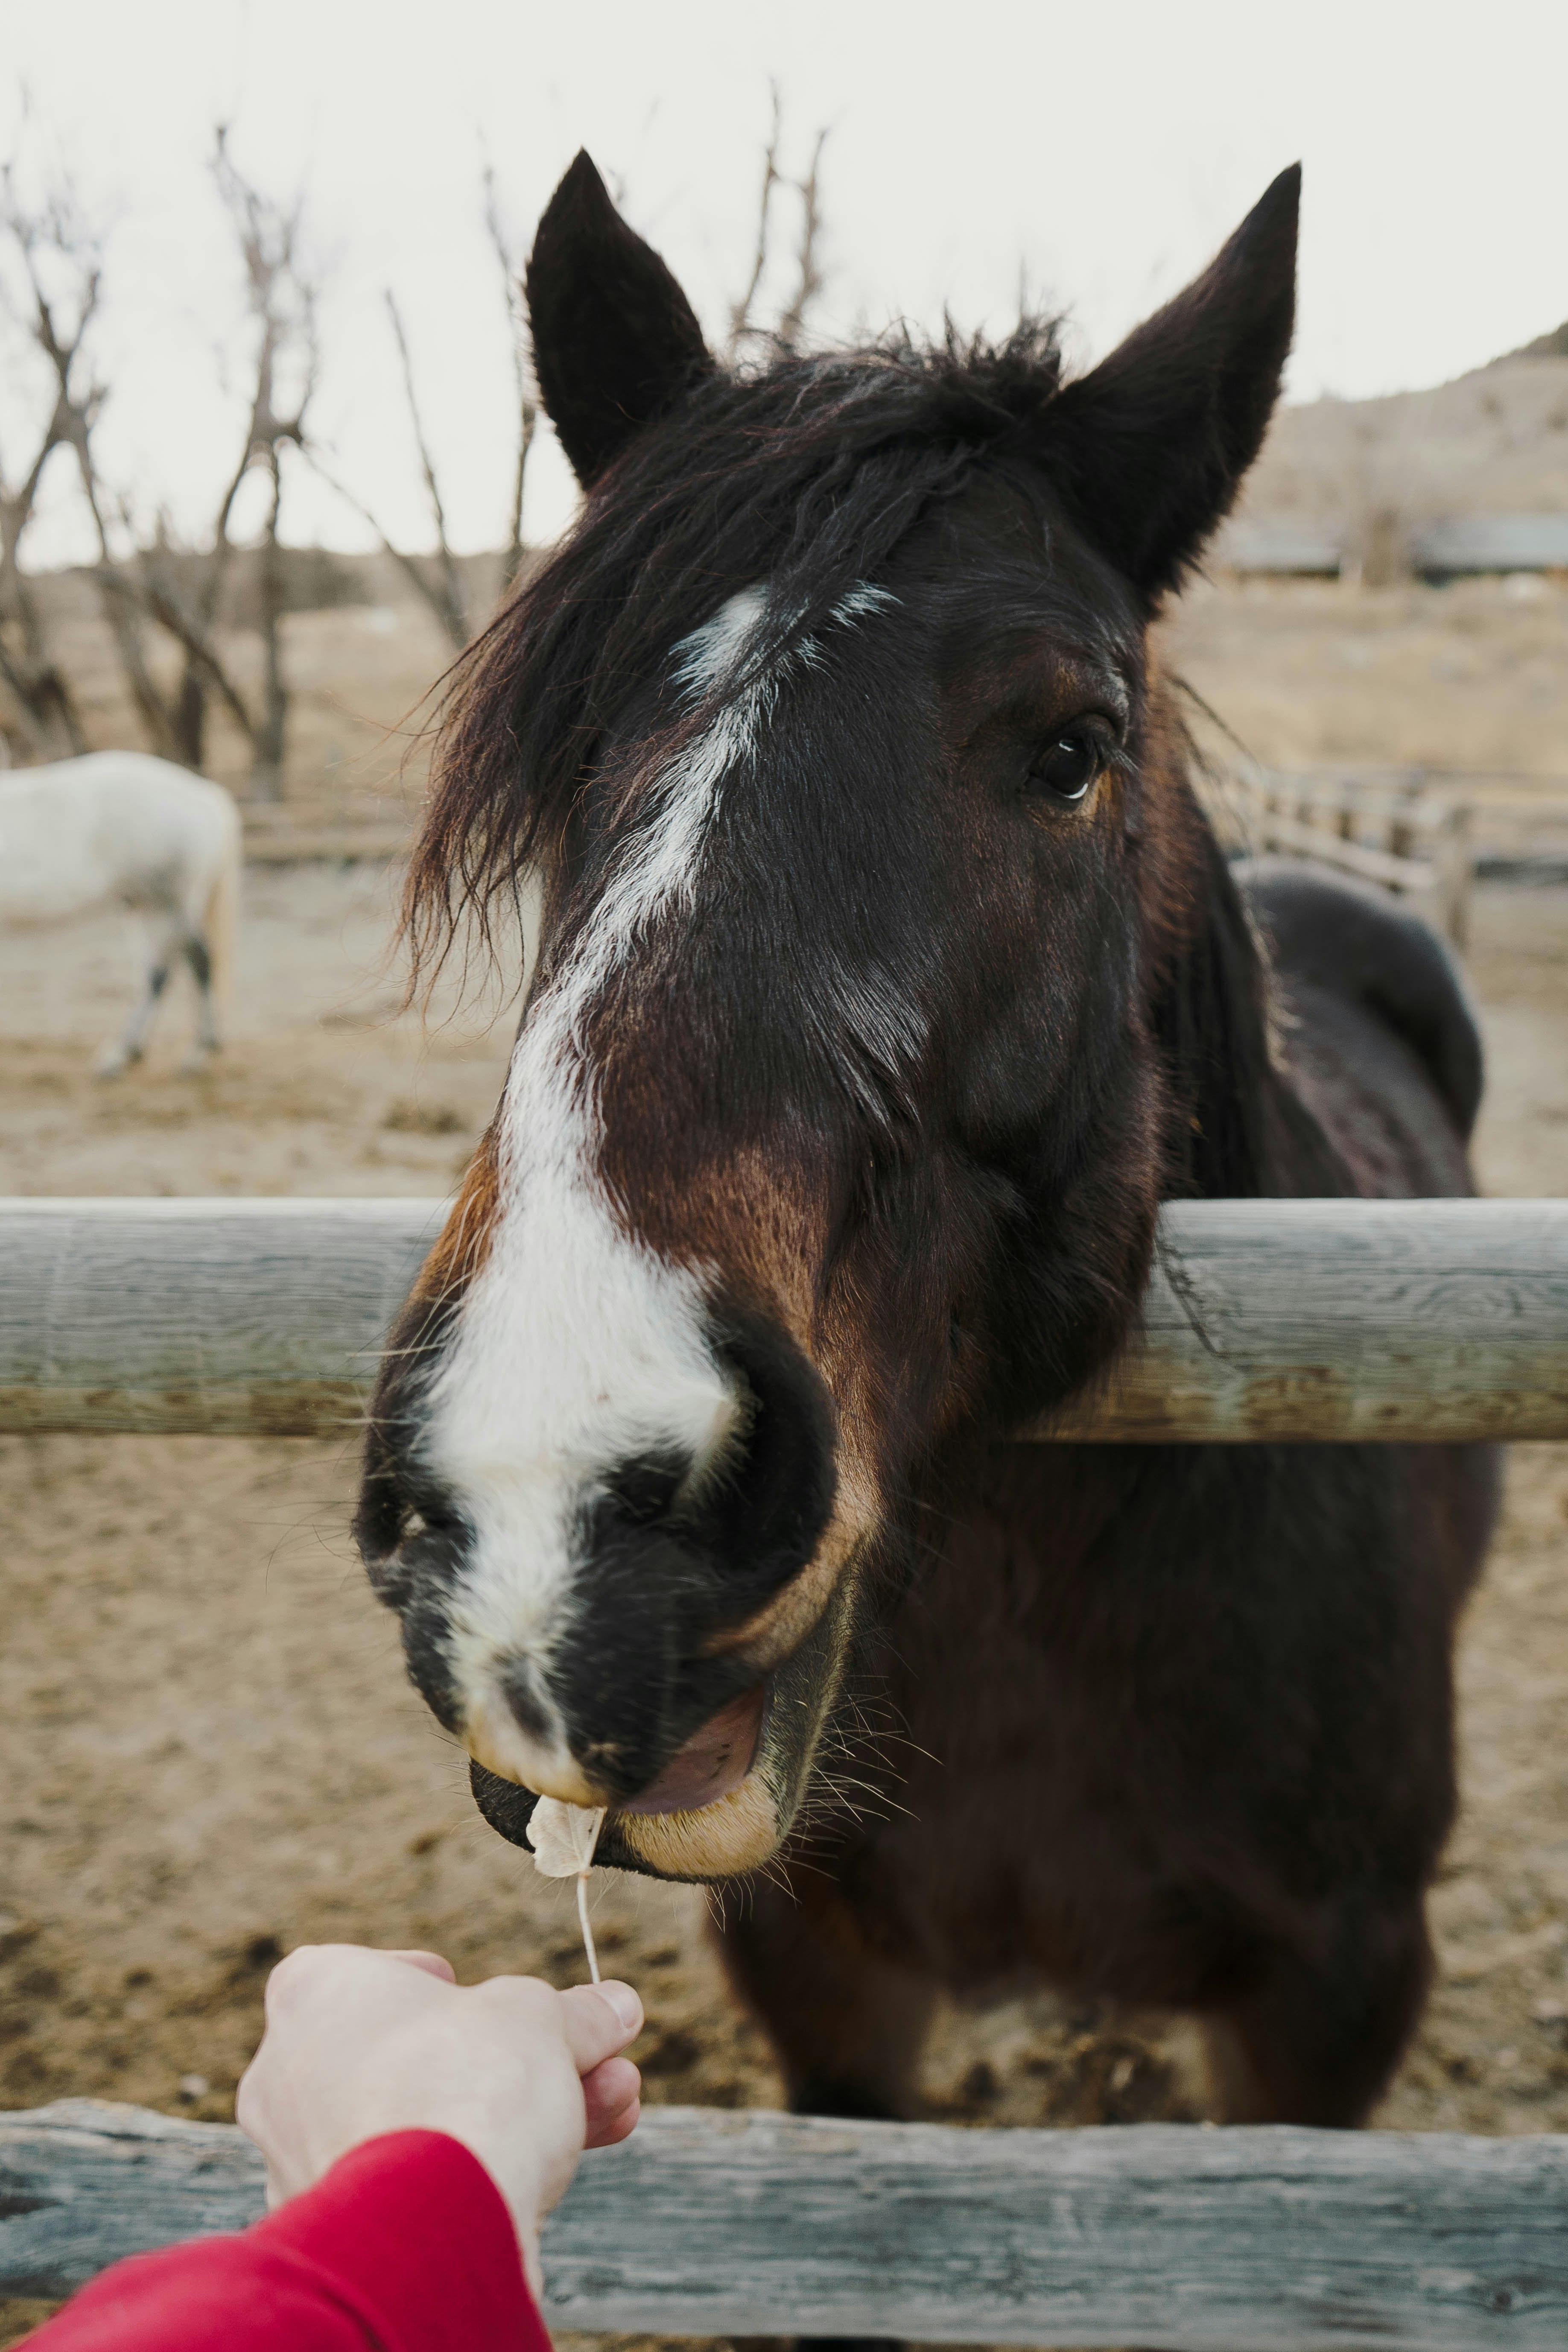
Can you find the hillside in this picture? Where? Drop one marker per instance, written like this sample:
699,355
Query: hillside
1494,441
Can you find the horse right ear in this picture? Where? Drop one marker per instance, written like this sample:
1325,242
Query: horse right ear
615,341
1151,446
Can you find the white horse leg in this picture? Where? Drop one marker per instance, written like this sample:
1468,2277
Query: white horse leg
164,939
209,1042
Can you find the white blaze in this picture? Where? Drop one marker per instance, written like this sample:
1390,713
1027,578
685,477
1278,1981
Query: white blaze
576,1348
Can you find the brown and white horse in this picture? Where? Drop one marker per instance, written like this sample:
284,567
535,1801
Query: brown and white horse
888,977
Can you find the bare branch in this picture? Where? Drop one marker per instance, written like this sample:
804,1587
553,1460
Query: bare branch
809,273
808,263
451,605
164,605
741,312
282,300
411,564
527,405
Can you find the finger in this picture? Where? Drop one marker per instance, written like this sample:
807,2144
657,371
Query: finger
598,2021
432,1963
608,2091
625,2124
293,1972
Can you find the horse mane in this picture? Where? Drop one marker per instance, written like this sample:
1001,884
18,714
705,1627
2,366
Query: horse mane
1210,1017
806,472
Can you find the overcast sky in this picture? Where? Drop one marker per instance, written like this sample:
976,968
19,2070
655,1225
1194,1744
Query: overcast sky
1101,151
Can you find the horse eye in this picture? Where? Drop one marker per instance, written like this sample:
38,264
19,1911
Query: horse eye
1068,766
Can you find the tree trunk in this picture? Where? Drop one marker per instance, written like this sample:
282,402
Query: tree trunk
45,703
191,718
267,770
121,611
45,706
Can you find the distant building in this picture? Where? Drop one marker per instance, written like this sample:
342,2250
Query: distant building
1285,548
1495,542
1457,547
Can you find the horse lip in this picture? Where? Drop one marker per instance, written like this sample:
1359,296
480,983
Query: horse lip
712,1763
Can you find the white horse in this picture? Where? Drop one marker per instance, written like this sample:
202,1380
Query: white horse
119,828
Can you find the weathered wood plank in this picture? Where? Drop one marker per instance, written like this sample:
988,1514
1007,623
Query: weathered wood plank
84,2182
1305,1320
207,1316
1328,1321
705,2223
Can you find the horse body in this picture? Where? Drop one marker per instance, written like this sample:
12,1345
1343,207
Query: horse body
123,829
1174,1722
888,977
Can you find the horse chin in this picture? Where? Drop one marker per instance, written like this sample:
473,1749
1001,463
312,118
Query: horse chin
749,1816
724,1838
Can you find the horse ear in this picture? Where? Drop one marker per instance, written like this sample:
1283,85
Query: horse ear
1154,443
615,341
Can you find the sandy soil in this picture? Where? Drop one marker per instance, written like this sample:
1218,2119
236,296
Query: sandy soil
207,1750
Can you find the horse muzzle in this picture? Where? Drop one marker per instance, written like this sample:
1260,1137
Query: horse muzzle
676,1661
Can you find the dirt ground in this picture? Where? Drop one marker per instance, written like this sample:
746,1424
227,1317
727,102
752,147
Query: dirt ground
207,1750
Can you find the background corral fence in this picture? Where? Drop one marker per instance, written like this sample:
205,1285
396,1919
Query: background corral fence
1425,835
1417,1320
1391,829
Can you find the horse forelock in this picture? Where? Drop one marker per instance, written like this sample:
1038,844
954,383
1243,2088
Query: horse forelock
807,475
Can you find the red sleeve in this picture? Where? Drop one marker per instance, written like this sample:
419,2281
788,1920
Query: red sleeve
406,2246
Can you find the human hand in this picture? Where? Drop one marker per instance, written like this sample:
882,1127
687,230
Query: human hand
359,2043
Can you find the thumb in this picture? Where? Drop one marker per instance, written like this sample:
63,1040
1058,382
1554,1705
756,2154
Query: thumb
599,2020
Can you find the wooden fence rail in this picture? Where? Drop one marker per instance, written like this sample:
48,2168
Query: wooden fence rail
705,2223
1306,1319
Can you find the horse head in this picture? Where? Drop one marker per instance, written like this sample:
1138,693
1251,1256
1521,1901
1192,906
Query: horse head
829,751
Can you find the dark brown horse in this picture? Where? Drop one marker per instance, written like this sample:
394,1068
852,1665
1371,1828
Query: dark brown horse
888,977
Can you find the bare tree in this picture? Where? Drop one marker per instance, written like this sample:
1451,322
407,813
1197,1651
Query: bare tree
62,253
146,582
144,579
807,282
184,592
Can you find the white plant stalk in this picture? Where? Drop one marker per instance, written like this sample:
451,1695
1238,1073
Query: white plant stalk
562,1838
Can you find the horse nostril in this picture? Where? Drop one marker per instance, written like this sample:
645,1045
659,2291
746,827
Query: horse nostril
531,1709
764,1512
410,1534
752,1516
645,1488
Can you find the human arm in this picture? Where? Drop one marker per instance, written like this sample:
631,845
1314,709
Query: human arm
416,2133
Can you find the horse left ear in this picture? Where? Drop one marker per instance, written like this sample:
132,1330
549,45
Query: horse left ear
1151,446
615,341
